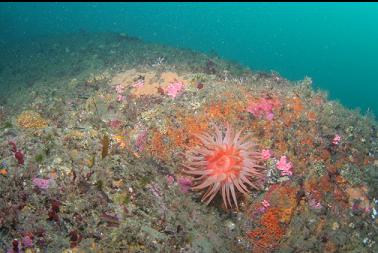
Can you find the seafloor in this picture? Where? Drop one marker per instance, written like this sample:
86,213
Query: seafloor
93,128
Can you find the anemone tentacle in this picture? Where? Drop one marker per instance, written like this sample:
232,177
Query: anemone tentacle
225,162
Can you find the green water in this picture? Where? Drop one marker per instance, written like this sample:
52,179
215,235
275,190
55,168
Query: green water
334,43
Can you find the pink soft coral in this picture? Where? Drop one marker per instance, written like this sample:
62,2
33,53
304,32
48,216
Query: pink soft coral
284,166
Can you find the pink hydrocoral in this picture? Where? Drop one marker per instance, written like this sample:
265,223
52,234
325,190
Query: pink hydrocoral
119,89
266,154
175,88
138,84
121,98
284,166
336,139
265,203
263,107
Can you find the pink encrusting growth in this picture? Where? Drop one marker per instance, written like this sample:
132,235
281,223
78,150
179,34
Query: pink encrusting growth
185,184
41,183
115,123
141,140
27,242
224,162
263,107
170,179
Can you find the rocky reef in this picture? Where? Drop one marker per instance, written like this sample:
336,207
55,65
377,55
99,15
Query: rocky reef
93,134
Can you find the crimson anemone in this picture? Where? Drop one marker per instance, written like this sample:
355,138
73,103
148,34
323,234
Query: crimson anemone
224,162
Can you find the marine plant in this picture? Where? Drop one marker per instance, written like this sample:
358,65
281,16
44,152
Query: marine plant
31,119
7,124
39,158
105,146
